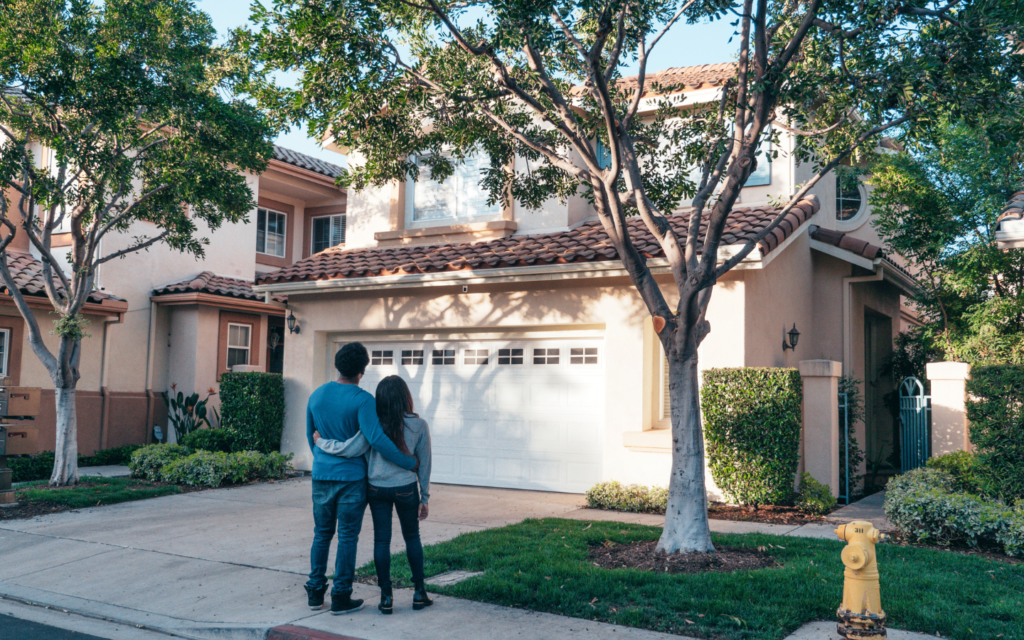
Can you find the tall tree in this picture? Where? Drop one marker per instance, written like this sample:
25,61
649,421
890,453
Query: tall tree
112,113
414,85
938,205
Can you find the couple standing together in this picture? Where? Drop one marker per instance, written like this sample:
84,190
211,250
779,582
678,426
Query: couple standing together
365,450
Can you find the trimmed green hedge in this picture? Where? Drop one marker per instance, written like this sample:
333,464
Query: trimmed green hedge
634,498
752,420
211,440
995,409
40,466
252,406
925,506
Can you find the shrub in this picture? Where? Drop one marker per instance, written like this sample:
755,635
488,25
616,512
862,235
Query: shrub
216,468
963,468
634,498
104,457
814,497
40,466
924,506
995,408
252,406
149,461
210,440
752,420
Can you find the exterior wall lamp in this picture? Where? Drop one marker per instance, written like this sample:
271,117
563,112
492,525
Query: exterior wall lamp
293,323
794,337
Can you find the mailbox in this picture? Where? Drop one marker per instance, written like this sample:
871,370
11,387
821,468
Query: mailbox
19,402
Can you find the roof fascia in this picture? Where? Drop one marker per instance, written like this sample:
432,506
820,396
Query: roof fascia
301,173
844,255
222,302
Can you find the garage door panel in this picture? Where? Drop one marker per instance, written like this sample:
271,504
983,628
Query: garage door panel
517,414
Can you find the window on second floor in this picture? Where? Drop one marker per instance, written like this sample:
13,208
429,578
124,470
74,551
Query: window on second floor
460,197
328,231
848,198
270,227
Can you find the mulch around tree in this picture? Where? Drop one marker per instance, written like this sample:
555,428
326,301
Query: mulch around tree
646,557
768,514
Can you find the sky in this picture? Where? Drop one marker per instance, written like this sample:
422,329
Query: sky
686,45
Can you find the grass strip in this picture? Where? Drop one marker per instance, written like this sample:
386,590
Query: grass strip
95,491
542,565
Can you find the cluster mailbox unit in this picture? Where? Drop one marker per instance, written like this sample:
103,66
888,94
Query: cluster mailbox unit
17,404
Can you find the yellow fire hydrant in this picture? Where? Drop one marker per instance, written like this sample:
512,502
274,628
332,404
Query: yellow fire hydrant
861,615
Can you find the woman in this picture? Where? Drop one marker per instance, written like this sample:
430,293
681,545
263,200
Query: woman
391,485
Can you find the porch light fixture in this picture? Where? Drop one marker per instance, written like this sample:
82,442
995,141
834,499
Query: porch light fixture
293,323
794,337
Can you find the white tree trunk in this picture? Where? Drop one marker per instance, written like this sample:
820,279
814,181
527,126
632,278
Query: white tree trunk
686,516
65,467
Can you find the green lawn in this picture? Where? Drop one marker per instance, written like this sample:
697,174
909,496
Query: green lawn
542,565
93,491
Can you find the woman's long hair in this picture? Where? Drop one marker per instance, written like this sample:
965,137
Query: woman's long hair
394,401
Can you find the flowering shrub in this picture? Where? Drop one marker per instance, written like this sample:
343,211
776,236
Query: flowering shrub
634,498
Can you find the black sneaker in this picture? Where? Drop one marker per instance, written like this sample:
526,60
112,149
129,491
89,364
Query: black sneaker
316,597
344,603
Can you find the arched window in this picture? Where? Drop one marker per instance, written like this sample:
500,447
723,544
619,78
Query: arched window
848,196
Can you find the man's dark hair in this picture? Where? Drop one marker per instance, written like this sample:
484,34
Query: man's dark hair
351,360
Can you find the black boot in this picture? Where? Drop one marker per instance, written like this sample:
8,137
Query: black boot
387,603
316,597
344,603
420,600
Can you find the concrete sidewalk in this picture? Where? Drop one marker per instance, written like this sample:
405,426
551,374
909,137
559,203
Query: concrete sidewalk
230,563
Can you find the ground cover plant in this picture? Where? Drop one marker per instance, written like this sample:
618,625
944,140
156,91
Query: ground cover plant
544,565
94,491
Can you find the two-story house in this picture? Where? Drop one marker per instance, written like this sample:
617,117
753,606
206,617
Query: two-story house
161,318
524,342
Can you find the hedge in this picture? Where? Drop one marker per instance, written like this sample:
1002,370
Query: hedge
925,507
995,409
223,440
252,406
752,420
148,462
40,466
634,498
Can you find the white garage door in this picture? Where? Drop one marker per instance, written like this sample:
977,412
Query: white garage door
525,414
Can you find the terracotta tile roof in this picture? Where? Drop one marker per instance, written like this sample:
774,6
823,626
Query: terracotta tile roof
847,242
586,243
27,271
209,282
309,163
1014,208
703,76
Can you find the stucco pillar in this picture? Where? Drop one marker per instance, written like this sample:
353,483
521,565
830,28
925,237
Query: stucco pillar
949,406
821,420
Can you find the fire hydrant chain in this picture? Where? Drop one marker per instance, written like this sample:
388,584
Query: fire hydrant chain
860,615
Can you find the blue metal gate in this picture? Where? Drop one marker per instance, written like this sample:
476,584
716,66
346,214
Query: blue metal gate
915,424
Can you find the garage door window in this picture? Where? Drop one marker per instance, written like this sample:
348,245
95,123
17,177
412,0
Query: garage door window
510,356
382,357
443,357
545,356
412,356
587,355
477,356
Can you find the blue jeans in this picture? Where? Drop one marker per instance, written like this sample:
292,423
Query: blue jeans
336,505
406,501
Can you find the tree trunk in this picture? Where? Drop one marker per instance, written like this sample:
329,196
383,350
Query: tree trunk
65,466
686,516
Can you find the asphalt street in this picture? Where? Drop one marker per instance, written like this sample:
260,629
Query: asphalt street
12,628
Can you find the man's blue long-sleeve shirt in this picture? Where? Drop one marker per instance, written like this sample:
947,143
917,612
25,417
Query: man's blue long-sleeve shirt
338,411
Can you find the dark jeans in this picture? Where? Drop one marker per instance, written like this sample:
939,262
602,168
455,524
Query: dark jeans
406,501
336,505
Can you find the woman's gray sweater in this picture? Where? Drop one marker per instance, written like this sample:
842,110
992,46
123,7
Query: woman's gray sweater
382,473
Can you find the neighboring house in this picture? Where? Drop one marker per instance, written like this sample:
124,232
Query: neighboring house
161,318
1010,229
528,349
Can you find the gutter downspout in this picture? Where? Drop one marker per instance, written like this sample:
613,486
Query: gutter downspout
848,283
150,398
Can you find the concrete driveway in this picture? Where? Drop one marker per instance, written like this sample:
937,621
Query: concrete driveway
221,557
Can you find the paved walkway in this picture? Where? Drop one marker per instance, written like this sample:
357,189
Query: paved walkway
107,471
230,563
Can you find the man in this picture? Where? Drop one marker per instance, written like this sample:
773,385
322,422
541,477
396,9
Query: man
338,410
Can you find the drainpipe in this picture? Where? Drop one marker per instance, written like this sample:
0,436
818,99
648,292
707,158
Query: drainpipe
150,345
848,283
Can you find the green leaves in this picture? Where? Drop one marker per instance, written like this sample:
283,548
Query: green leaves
253,408
752,421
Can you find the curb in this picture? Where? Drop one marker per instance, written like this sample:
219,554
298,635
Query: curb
293,632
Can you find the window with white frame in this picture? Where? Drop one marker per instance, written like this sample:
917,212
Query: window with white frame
328,231
378,358
5,347
442,357
461,196
412,356
545,356
510,356
583,355
477,356
239,343
848,197
270,232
